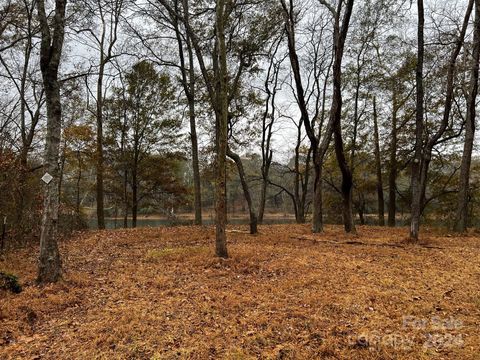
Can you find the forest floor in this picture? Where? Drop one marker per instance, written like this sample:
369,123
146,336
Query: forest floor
159,293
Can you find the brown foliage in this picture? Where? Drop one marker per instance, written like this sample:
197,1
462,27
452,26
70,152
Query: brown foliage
161,294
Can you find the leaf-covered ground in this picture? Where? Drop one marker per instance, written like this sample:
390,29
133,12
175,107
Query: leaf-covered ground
161,294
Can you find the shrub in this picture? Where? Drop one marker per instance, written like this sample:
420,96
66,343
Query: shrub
9,282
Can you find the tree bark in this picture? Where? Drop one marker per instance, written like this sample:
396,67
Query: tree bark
461,218
50,267
340,35
218,96
221,113
188,83
246,190
110,16
79,178
299,205
423,154
317,221
99,149
134,198
318,148
125,199
378,166
392,175
195,165
267,127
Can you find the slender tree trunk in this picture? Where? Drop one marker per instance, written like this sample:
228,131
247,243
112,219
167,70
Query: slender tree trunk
347,182
361,209
125,198
188,82
289,15
267,125
79,178
305,182
392,175
263,199
218,95
378,165
317,221
62,168
20,202
221,113
50,267
299,214
134,197
194,139
99,153
106,41
461,218
196,168
246,190
416,166
26,140
340,35
423,154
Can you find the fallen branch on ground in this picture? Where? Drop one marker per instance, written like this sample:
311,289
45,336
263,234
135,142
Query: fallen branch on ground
360,243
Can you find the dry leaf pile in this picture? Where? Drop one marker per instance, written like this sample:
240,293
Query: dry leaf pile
284,294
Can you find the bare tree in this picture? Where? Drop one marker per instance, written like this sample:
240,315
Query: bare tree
461,220
268,120
221,124
378,166
188,79
217,90
30,96
246,190
340,35
49,269
102,35
319,141
423,153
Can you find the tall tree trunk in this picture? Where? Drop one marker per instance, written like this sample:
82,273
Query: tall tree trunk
196,168
217,90
110,17
50,267
125,199
378,165
317,220
340,35
20,193
347,182
289,15
263,199
26,140
99,153
361,209
188,83
135,186
79,178
267,155
246,190
268,120
305,183
63,158
392,175
461,218
423,154
134,200
415,187
221,113
299,213
27,132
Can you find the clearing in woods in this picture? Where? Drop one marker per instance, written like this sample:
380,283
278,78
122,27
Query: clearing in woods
160,293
